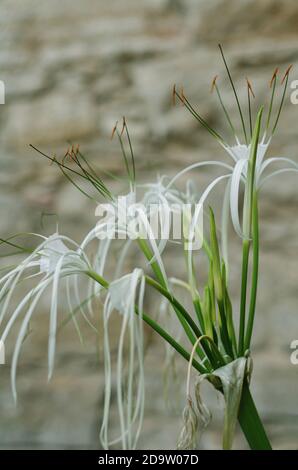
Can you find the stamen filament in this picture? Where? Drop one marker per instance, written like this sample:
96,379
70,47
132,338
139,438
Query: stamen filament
249,92
131,151
284,80
235,93
214,85
202,121
273,86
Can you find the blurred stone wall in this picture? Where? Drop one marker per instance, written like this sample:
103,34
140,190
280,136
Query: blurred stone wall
71,69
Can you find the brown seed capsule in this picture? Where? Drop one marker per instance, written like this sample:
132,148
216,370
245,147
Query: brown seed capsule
249,86
274,76
114,130
123,126
174,95
286,73
65,155
213,84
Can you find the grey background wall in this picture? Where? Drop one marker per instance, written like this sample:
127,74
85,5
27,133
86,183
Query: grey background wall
71,68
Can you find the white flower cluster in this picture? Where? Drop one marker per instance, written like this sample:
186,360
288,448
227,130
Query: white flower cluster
58,263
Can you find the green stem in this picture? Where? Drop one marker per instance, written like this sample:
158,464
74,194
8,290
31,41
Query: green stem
183,314
192,281
156,327
175,303
245,258
251,423
149,256
103,282
255,272
247,224
162,282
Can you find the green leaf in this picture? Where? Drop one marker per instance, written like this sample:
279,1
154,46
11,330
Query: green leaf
207,313
228,310
215,258
219,287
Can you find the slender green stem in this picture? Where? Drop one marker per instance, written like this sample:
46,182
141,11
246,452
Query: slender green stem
175,303
192,281
103,282
182,313
251,423
230,323
149,256
159,275
183,316
247,223
255,271
15,245
156,327
245,259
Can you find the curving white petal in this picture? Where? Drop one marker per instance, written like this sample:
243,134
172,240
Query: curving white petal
198,165
53,317
20,339
130,408
272,160
234,195
275,173
210,187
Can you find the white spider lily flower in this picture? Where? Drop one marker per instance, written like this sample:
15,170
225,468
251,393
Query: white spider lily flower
159,192
161,204
49,263
239,151
126,219
125,295
50,255
240,154
238,174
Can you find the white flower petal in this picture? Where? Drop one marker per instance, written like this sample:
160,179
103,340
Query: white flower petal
234,195
275,173
198,165
130,408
